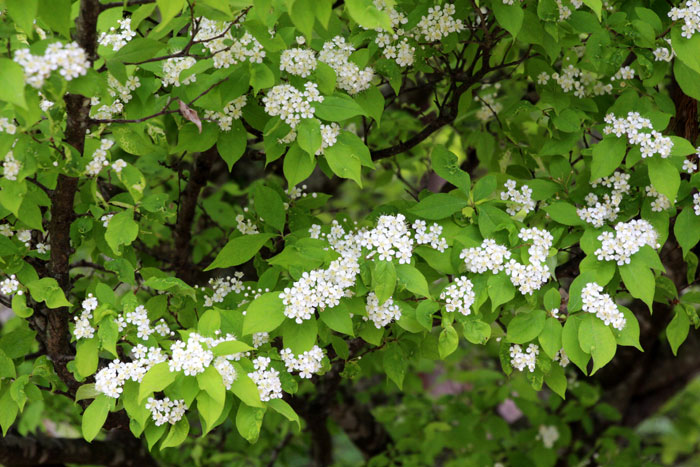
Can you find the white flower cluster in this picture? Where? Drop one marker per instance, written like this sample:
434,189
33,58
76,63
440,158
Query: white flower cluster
99,158
696,203
549,435
225,49
110,380
459,296
594,301
172,68
390,238
562,358
628,238
166,410
298,61
45,104
105,219
395,44
268,381
83,329
118,165
307,363
70,60
532,276
231,111
439,23
139,318
490,108
633,127
6,230
106,111
245,226
320,288
519,359
7,126
517,200
490,256
689,166
222,286
661,201
118,39
329,136
598,212
350,77
9,286
25,236
690,15
191,357
291,104
624,72
122,91
583,83
226,370
565,11
260,339
11,167
381,315
431,237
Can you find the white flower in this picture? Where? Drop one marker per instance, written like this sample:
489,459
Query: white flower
118,165
634,127
290,104
11,167
9,286
350,77
381,315
602,306
517,200
549,435
690,15
628,238
307,363
7,126
519,359
119,39
69,60
172,68
459,296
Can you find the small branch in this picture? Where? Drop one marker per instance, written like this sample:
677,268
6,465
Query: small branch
107,6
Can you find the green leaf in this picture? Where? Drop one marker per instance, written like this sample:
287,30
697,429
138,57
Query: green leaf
607,156
570,343
309,135
447,341
156,379
248,422
47,290
297,165
364,13
664,177
211,382
338,108
284,409
446,165
630,333
177,434
596,339
239,250
86,356
424,313
56,15
343,163
209,410
687,229
383,280
596,6
564,213
687,78
686,49
302,16
121,230
524,327
500,289
261,77
438,206
509,16
22,12
677,329
550,337
7,366
556,380
476,331
137,50
300,337
269,206
395,363
12,79
413,280
372,101
231,144
95,416
19,306
639,280
264,314
552,299
230,347
338,319
86,391
245,389
168,10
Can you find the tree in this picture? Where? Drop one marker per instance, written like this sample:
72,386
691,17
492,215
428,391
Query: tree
298,232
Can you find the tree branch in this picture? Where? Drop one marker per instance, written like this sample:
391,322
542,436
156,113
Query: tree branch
107,6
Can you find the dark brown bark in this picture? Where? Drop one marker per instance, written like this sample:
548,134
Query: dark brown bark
16,451
186,211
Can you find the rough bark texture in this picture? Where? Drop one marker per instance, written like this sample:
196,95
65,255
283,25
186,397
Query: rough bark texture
16,451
